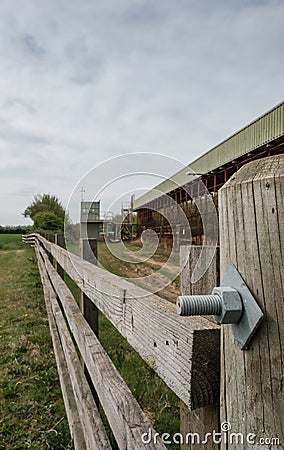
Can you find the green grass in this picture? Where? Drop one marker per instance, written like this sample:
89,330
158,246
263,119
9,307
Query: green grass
10,241
32,414
116,265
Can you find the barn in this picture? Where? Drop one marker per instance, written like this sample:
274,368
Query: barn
190,191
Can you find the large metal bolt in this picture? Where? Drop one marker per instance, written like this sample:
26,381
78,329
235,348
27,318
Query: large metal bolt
198,305
224,303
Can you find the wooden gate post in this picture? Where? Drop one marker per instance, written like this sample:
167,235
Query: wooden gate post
206,419
252,238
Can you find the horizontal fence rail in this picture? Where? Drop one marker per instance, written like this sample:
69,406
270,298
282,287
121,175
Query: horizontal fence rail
82,415
181,350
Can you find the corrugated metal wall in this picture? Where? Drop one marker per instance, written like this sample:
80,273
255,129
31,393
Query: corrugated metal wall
263,130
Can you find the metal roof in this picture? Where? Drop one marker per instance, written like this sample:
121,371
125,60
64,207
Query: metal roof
261,131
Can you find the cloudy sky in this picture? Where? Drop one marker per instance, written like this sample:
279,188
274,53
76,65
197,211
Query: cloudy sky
82,81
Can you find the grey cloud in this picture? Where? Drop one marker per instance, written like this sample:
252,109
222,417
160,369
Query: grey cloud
85,62
85,81
24,136
31,46
147,13
17,104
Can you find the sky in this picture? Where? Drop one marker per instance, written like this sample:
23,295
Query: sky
82,82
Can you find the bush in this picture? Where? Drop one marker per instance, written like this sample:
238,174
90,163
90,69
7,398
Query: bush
48,220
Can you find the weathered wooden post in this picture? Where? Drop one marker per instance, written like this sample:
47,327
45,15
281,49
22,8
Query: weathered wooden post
89,252
206,419
50,237
59,240
252,238
90,232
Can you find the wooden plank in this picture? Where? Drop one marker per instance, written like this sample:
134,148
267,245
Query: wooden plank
29,239
93,428
252,237
126,418
199,422
170,344
74,422
206,419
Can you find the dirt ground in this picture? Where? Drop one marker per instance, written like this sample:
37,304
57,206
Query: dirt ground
166,284
3,252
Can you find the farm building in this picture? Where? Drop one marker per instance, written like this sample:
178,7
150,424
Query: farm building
190,191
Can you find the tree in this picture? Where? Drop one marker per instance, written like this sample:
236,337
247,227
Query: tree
43,203
47,212
48,220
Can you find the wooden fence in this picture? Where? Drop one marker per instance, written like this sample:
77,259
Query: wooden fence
184,351
181,350
251,224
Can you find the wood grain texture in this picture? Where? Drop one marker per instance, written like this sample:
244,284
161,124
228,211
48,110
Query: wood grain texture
170,344
210,265
252,238
206,419
125,416
199,423
93,428
72,413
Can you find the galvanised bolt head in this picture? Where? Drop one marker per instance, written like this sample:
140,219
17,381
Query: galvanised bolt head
231,305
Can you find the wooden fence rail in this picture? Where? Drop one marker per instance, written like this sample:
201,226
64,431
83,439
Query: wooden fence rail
171,344
184,351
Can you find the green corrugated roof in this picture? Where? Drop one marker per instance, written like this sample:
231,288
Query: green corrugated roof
261,131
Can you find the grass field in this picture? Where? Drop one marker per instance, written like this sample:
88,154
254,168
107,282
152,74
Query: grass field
32,414
10,241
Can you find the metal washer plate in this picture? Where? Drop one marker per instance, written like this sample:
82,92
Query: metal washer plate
252,314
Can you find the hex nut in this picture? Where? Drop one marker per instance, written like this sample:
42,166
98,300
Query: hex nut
231,302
